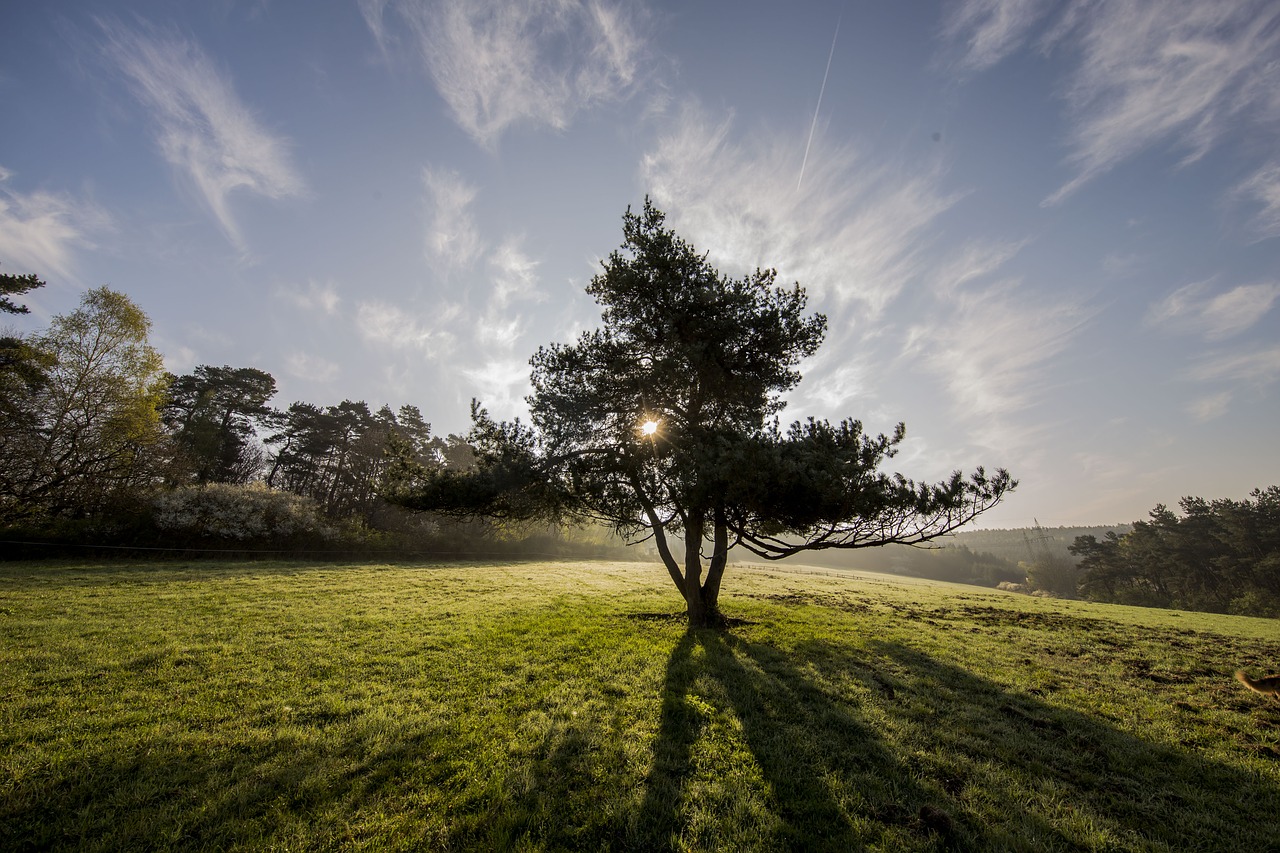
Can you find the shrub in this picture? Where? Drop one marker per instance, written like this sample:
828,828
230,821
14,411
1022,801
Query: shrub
240,513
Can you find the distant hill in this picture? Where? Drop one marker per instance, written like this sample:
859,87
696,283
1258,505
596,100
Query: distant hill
1023,543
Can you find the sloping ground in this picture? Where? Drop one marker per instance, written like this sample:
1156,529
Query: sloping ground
531,706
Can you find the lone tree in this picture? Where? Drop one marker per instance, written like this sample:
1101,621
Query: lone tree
662,424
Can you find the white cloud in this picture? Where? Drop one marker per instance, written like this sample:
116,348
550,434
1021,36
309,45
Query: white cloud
515,274
854,231
831,390
178,358
39,231
1214,317
1209,408
312,368
501,385
498,63
991,29
374,13
203,129
1118,265
514,279
990,342
1261,366
382,324
317,297
1263,188
1149,72
452,240
499,332
1181,71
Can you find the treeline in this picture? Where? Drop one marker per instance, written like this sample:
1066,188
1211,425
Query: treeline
99,445
1035,559
1029,544
1220,556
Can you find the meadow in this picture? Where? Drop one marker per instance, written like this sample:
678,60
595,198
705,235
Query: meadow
551,706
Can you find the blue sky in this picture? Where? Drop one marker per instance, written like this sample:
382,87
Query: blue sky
1046,236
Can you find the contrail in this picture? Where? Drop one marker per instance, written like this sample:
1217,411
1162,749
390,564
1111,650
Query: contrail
814,126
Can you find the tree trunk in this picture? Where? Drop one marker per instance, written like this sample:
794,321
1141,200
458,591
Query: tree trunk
715,571
695,606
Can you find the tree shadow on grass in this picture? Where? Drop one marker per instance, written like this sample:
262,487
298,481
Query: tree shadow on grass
263,791
886,747
828,780
991,745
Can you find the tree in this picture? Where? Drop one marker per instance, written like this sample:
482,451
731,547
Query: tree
1221,556
94,418
16,285
338,455
212,413
24,367
663,423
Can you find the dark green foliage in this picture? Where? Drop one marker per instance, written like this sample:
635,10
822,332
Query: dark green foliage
333,455
24,368
24,371
342,457
1221,556
16,285
212,413
705,360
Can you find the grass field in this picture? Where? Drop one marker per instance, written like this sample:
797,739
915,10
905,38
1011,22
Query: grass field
541,706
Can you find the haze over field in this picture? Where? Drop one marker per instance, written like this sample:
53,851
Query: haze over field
1046,237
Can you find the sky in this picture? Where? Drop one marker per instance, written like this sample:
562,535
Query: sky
1046,236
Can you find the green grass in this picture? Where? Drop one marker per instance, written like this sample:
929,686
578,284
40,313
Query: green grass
289,706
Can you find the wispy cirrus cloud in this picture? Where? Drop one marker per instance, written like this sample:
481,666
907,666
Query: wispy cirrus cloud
499,63
515,274
1260,366
452,241
1262,189
501,385
317,297
989,30
312,368
385,325
1215,317
515,279
989,339
854,232
203,129
1209,408
1147,73
1175,71
40,230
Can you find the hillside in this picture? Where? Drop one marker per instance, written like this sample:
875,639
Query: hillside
541,706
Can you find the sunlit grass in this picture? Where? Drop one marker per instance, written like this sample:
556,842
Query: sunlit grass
563,706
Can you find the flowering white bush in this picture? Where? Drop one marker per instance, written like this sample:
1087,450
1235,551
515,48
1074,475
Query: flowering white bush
237,512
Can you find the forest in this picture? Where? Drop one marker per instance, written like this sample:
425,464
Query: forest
101,449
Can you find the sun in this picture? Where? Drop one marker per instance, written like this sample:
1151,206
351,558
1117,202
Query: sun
649,428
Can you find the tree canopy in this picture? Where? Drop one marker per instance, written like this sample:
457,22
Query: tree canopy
16,285
1221,556
86,424
212,412
663,423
